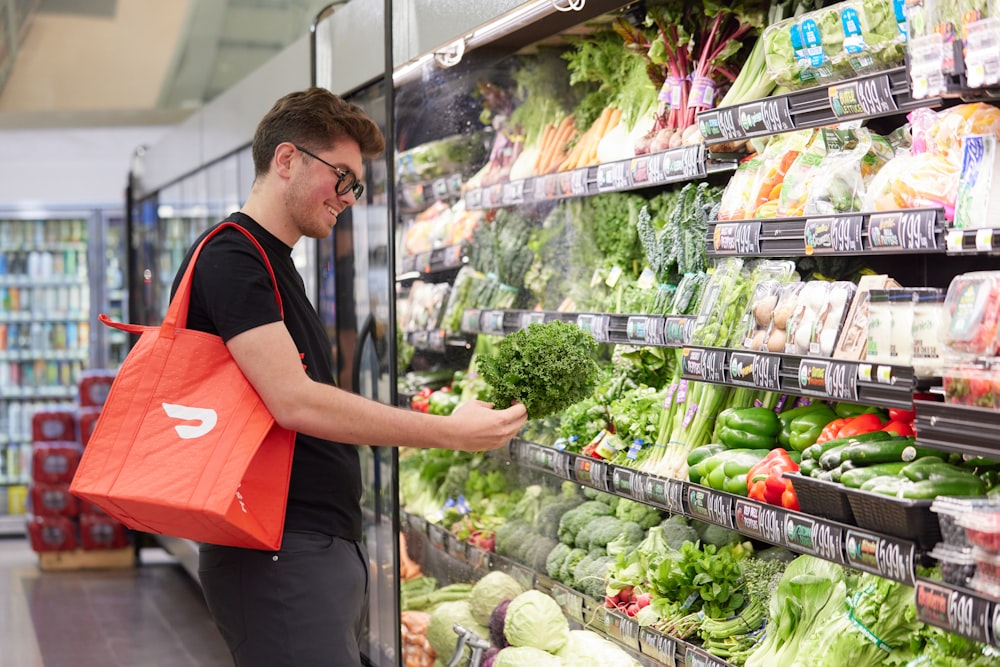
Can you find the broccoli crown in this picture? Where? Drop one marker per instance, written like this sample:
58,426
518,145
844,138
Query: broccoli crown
709,533
549,516
591,574
676,532
510,536
574,520
546,367
644,515
554,561
568,567
599,532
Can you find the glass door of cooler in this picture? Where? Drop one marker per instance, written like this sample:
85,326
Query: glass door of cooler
355,300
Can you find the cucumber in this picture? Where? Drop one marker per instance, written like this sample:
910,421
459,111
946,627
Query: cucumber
837,473
816,451
922,468
888,485
832,457
855,477
951,486
884,451
807,466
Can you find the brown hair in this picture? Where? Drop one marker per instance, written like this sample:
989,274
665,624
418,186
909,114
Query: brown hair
314,118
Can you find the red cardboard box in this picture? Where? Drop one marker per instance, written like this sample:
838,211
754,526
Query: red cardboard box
52,533
87,421
94,387
53,500
54,426
55,462
101,532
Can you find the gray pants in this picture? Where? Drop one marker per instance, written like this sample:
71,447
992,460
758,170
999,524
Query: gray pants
302,606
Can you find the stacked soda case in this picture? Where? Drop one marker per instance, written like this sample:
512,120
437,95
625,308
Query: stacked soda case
57,520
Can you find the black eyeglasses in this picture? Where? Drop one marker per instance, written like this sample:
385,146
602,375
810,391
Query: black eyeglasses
347,181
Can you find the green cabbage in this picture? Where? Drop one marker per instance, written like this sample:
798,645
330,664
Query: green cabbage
490,591
534,619
589,649
525,656
440,630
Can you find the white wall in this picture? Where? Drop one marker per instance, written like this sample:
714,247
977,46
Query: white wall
69,166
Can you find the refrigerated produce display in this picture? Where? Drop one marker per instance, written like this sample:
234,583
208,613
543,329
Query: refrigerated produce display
775,250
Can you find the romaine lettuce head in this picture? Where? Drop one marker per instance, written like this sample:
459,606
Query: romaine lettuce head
525,656
534,619
588,649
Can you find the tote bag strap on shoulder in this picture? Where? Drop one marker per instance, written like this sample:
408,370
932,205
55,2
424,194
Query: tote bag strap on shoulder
177,312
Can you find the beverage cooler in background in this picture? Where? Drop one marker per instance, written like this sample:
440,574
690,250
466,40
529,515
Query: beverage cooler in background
58,269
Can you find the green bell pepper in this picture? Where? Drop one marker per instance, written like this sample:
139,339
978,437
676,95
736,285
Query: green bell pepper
805,429
443,402
754,428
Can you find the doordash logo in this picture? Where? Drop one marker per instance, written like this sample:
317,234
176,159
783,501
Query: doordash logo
206,418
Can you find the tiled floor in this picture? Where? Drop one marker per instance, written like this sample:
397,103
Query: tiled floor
150,616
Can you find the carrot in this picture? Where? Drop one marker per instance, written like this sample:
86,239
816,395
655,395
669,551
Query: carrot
544,147
557,154
606,122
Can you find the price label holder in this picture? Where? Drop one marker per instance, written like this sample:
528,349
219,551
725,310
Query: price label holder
491,322
954,240
422,263
721,125
645,330
479,559
471,320
513,193
765,522
752,369
453,257
659,647
440,187
691,362
546,187
531,317
683,163
827,236
549,460
518,450
766,117
865,97
914,230
885,556
963,613
667,494
829,379
418,524
456,548
474,199
710,505
629,483
982,52
569,601
597,325
737,238
614,176
622,629
713,365
523,575
815,537
578,182
696,657
437,536
677,330
984,240
435,340
591,472
493,196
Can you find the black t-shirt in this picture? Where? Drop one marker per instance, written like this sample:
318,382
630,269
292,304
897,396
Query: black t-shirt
232,292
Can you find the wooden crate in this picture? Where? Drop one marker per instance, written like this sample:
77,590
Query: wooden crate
78,559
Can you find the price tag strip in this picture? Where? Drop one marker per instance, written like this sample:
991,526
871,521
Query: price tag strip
456,548
474,199
667,494
622,629
815,537
614,176
737,238
865,97
752,369
438,536
597,325
645,330
592,473
522,574
830,379
513,193
629,483
569,600
677,330
914,230
713,365
827,236
549,460
659,647
765,522
491,322
712,506
529,318
956,611
696,657
880,554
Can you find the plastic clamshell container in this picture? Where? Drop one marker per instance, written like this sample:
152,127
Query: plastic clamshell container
958,566
986,584
948,511
969,384
972,306
982,523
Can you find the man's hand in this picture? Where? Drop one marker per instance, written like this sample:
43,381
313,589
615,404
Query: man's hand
479,427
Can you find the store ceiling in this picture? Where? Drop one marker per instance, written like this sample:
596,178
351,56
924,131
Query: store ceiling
129,62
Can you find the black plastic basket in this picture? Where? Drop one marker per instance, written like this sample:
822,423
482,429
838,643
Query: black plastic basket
821,498
899,517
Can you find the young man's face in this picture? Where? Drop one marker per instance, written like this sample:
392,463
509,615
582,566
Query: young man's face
313,198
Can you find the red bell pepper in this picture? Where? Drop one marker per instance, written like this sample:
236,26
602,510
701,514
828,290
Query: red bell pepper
897,415
864,423
830,431
765,482
789,500
899,428
421,401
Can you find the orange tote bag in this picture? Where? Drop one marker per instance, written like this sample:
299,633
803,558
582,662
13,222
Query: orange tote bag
184,446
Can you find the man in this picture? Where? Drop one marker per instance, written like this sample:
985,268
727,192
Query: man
303,606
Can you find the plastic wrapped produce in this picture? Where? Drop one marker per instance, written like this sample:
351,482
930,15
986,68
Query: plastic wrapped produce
971,310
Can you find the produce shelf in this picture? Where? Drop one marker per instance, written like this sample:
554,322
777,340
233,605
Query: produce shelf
677,165
438,341
415,197
428,264
972,241
958,428
958,610
909,231
883,94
